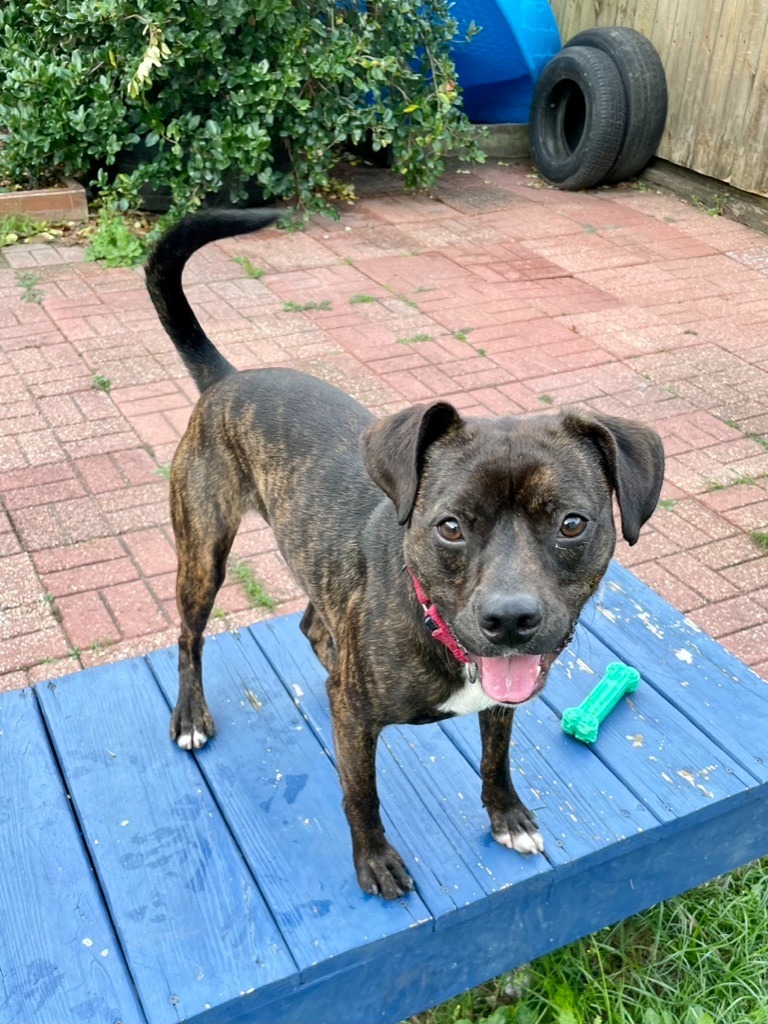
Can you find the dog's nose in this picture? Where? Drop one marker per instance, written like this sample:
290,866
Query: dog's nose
510,619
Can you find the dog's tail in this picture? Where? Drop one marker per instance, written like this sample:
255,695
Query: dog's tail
164,269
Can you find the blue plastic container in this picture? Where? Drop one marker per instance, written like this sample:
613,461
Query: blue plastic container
498,68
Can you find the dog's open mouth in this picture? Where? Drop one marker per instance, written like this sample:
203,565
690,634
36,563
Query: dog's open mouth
515,678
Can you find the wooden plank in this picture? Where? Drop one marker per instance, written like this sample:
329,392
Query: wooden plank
280,795
583,809
529,920
750,143
59,957
743,207
194,927
726,700
655,749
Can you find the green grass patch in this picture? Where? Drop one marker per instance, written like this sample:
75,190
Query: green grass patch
101,383
114,242
717,207
164,471
49,601
547,399
401,298
738,481
303,307
414,339
100,645
257,596
359,300
760,539
701,958
18,227
667,503
762,441
28,281
461,335
248,267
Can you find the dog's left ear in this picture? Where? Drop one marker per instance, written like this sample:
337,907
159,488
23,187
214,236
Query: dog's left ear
633,456
395,448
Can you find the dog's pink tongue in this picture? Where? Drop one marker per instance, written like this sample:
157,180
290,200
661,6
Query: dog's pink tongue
510,680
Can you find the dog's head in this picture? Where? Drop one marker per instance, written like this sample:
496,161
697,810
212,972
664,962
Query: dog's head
510,523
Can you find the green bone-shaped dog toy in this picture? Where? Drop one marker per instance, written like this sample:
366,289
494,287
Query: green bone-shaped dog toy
584,721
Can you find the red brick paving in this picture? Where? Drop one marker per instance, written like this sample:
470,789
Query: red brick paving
625,301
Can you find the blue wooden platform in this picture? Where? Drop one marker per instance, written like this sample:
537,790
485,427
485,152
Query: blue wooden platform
139,883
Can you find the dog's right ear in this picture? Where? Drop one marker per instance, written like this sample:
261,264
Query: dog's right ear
394,450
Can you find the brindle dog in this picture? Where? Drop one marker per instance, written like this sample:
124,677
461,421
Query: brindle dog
505,527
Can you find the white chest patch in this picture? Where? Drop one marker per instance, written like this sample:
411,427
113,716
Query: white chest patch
470,699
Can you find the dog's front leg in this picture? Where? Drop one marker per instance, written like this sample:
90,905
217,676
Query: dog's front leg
512,824
379,867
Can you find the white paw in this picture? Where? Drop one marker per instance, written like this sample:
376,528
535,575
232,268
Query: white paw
192,740
521,842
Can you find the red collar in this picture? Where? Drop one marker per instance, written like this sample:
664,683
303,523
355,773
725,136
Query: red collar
438,628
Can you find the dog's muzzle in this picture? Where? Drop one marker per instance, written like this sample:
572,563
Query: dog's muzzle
511,679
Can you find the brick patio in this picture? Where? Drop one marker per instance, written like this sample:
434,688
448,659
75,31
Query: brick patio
494,292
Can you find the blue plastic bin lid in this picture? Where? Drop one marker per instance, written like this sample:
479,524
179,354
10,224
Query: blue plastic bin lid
498,68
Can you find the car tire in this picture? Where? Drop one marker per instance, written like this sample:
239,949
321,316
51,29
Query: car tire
645,88
578,118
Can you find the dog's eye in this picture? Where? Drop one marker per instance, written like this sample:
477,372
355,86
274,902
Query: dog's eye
573,525
450,530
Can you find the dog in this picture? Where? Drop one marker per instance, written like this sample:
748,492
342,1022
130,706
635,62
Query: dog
445,559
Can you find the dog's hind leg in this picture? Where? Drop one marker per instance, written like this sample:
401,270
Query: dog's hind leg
316,631
512,824
206,516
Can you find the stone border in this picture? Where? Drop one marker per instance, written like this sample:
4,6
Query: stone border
62,202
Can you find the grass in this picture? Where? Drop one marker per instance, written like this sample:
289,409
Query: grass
415,339
18,227
760,539
717,209
257,596
101,383
751,435
28,281
701,958
358,300
100,645
164,470
737,481
49,601
248,267
302,307
667,503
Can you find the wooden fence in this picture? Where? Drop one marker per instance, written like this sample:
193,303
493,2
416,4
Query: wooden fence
715,55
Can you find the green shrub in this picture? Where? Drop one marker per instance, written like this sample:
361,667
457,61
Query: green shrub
212,94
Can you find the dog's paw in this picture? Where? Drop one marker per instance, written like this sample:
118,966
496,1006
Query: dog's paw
383,873
516,829
191,725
